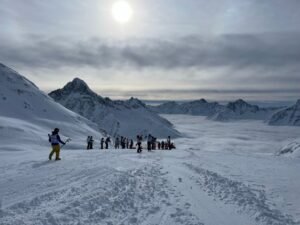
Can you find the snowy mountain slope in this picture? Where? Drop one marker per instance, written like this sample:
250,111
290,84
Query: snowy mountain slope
27,114
125,118
240,109
288,116
199,107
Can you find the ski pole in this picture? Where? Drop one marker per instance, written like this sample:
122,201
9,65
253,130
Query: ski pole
68,140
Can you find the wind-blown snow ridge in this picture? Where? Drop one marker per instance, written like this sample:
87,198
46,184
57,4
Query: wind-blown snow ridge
292,149
238,193
123,118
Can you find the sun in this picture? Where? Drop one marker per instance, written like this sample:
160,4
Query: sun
122,11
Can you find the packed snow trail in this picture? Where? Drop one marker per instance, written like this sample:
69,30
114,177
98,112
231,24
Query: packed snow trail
83,189
198,183
121,187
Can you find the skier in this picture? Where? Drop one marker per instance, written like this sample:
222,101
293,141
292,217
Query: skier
153,144
149,142
139,143
172,146
158,145
54,139
169,142
123,142
88,142
91,142
162,145
131,144
101,143
107,140
117,143
127,143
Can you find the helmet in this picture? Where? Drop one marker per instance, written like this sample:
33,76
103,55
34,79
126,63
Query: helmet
56,130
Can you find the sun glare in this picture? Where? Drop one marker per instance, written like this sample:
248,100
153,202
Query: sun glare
122,11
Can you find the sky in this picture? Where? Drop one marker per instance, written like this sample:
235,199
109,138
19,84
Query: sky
169,50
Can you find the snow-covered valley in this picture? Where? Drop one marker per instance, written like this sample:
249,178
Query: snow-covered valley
220,173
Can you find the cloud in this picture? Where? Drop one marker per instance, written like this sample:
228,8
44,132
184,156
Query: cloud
234,51
251,66
211,94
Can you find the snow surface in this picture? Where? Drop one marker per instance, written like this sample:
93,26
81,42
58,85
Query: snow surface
27,115
220,173
117,118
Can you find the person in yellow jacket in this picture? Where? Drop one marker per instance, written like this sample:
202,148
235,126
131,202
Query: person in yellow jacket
55,141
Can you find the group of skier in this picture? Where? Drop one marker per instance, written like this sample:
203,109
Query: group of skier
153,144
124,143
120,142
105,141
90,142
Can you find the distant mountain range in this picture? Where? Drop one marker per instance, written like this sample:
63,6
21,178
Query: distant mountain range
199,107
125,118
237,110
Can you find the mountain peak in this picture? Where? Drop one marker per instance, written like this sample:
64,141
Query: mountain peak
240,102
77,82
241,106
135,102
202,100
77,85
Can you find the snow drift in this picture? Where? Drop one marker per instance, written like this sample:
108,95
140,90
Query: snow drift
291,149
124,118
27,114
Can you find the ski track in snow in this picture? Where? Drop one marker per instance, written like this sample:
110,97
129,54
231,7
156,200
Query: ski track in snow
100,195
154,189
234,192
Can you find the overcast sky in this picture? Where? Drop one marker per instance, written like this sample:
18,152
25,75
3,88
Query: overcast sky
170,49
